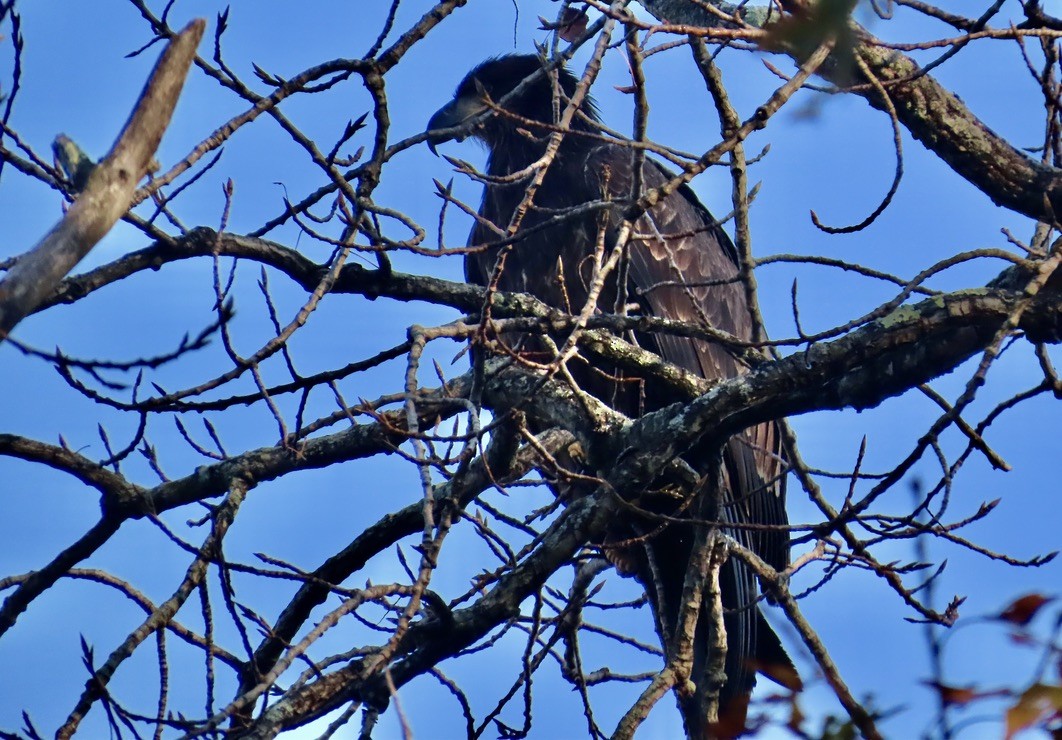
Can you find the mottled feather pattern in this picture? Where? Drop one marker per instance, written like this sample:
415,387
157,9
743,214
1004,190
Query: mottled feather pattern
691,247
676,249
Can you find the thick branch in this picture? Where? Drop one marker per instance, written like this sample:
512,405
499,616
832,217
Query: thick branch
942,122
910,346
109,190
123,500
934,115
88,472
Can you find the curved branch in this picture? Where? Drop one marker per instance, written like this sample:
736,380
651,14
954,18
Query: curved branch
457,493
43,579
112,485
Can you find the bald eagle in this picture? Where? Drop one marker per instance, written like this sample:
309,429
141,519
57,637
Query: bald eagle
679,264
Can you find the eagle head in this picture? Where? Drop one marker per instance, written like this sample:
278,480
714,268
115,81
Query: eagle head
469,113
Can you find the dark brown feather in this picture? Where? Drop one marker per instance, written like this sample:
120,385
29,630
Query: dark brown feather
677,247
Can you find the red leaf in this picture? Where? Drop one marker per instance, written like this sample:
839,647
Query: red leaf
1022,610
1023,638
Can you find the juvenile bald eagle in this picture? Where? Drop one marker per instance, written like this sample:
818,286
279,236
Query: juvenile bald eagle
679,264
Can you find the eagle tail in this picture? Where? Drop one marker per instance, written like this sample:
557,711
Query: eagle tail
772,660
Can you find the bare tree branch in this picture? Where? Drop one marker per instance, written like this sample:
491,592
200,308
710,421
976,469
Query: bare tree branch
109,190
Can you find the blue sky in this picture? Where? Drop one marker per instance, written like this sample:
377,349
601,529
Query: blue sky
833,155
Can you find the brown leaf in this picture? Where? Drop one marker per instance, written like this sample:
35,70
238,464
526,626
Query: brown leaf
1022,610
574,24
1040,703
780,673
953,695
570,26
962,695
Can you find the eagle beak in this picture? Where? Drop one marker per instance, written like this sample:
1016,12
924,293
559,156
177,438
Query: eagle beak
453,115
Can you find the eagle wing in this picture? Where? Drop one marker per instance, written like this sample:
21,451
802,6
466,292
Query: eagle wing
682,266
677,256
